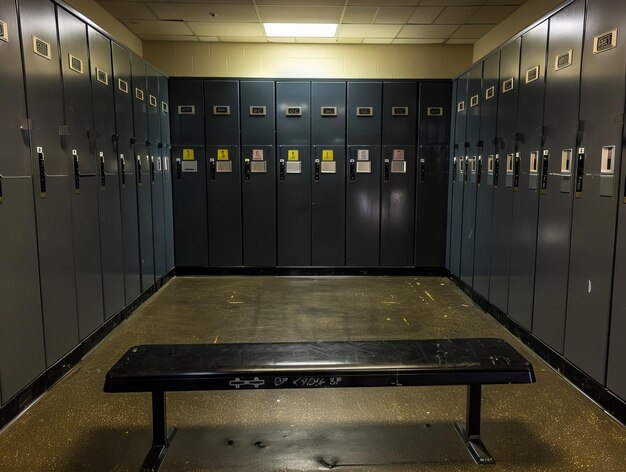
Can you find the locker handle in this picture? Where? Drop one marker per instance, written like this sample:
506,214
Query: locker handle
466,168
160,145
516,170
317,170
454,169
580,172
42,172
479,170
624,191
76,171
103,181
212,169
123,169
152,168
387,170
139,170
545,167
352,169
422,170
246,169
282,169
179,169
148,144
496,170
1,194
132,140
114,138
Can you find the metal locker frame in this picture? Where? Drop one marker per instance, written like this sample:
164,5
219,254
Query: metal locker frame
166,159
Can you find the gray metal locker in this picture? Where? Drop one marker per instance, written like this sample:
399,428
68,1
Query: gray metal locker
108,173
223,172
526,167
397,206
293,160
432,173
364,124
458,174
596,188
259,177
52,177
128,179
189,169
484,174
84,183
556,164
21,332
451,176
156,171
328,194
143,170
503,174
166,157
470,171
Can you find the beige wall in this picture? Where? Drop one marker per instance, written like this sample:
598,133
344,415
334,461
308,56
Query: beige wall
107,22
524,16
208,59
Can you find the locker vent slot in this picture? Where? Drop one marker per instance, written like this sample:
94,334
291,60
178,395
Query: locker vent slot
41,48
434,111
256,110
608,160
221,110
566,161
490,92
532,74
4,33
563,60
605,41
75,64
153,101
460,107
364,111
139,94
165,108
534,162
400,111
293,111
122,85
508,85
474,101
328,111
186,109
102,76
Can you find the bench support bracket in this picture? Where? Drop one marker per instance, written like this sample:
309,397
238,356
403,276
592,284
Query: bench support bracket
161,436
470,432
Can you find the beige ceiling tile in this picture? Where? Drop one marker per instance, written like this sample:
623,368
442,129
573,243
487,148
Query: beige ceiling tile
368,31
377,40
448,3
223,13
244,39
172,37
208,39
359,15
164,11
418,41
427,31
471,31
492,14
316,40
393,3
460,41
129,10
301,2
455,15
425,15
394,15
226,29
505,2
299,14
238,2
158,27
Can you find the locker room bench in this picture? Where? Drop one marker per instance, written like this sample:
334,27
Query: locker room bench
193,367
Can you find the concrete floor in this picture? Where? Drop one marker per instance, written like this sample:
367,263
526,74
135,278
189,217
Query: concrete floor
547,426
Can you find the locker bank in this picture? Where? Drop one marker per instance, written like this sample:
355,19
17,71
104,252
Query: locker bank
204,196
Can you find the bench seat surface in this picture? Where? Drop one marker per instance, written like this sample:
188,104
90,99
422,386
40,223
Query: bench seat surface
185,367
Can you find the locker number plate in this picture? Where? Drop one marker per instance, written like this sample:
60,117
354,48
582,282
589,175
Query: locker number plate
153,101
532,74
434,111
186,109
364,111
508,85
165,108
293,111
139,94
328,111
474,101
563,60
605,41
460,107
400,111
258,111
41,48
122,85
103,77
4,33
75,63
490,93
221,110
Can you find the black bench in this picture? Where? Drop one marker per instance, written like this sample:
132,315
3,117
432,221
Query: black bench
190,367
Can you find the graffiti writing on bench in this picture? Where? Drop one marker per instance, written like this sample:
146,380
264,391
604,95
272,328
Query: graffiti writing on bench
307,382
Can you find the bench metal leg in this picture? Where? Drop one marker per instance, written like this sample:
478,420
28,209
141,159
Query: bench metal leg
161,436
470,432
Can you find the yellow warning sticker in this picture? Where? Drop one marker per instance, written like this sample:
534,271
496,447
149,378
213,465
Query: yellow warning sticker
222,154
188,155
328,155
293,155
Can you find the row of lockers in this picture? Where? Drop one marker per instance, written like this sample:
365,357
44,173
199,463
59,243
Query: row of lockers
85,196
310,173
538,196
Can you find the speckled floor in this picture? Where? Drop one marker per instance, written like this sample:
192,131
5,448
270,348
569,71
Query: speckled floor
548,426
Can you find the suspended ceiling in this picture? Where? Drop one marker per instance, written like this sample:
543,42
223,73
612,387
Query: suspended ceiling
360,21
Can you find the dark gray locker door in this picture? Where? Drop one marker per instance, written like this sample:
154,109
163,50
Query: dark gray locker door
189,171
397,218
470,172
293,163
526,185
142,170
21,332
51,164
111,246
507,90
166,156
128,179
458,174
451,176
556,185
592,250
484,174
224,172
432,204
328,132
363,173
259,178
434,113
84,200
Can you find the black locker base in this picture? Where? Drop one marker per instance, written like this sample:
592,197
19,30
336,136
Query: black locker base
313,271
608,401
29,394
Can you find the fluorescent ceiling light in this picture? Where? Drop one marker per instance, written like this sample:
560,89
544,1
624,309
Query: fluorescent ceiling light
306,30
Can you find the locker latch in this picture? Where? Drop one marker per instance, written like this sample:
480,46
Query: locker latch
454,167
152,168
545,167
580,172
139,170
76,172
516,170
282,169
466,168
422,169
42,172
246,169
179,169
1,194
317,170
496,170
123,169
387,169
103,180
352,169
212,168
479,170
